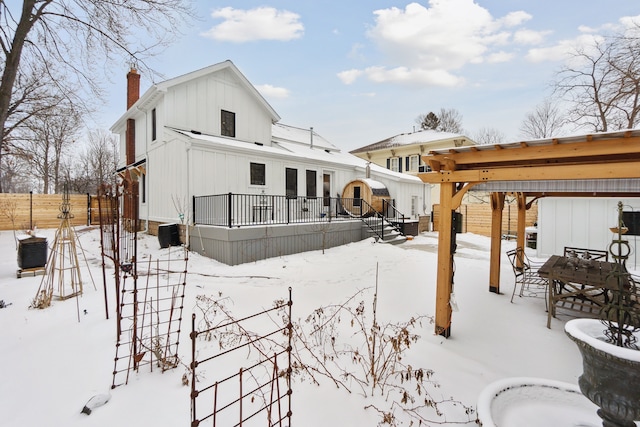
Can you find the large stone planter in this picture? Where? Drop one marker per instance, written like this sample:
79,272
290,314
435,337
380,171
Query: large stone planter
611,374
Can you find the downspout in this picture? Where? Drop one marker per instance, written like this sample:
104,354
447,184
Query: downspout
189,195
146,181
146,158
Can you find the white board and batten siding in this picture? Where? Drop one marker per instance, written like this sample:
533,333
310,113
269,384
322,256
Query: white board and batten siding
583,223
196,105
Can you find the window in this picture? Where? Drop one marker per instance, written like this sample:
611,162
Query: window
394,164
326,189
153,125
356,196
227,123
258,174
312,185
291,177
413,163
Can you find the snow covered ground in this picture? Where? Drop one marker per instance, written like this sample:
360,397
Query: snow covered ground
52,364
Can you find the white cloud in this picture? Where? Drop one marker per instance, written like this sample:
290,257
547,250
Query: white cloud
435,77
354,53
513,19
631,25
428,44
585,41
498,57
269,91
349,76
562,50
530,37
262,23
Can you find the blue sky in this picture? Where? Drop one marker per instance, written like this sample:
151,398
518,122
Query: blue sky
360,71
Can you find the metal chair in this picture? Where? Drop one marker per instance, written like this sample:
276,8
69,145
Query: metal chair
582,253
526,274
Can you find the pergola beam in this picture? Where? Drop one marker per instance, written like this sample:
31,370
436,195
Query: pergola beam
528,172
551,153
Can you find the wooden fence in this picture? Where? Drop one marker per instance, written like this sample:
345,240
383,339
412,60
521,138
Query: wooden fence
476,218
26,211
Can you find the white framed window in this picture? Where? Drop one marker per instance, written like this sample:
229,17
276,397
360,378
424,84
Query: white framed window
394,164
414,162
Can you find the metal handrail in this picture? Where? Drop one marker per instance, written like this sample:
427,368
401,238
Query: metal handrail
237,210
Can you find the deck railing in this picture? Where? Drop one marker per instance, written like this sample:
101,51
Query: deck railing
236,210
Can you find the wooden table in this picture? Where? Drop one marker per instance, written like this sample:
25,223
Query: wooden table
578,288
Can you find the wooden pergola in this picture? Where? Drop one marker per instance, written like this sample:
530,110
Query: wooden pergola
530,168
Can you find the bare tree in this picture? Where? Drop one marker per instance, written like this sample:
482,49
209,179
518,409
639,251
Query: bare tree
79,36
95,165
44,141
450,120
447,120
543,122
487,136
16,177
102,156
601,82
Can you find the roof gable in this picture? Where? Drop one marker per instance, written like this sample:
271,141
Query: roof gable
425,137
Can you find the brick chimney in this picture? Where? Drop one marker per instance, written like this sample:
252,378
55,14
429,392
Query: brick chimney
133,87
133,93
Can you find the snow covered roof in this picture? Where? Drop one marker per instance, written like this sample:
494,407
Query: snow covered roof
298,152
307,137
428,136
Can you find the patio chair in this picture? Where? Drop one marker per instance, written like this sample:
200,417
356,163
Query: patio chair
582,253
526,275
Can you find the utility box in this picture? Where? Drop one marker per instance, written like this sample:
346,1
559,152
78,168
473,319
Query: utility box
32,253
531,234
168,235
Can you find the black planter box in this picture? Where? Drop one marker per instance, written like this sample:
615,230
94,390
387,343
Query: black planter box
32,253
168,235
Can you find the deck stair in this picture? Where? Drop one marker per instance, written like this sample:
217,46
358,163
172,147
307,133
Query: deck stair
383,230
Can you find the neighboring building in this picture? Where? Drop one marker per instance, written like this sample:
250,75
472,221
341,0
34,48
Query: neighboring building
210,132
403,153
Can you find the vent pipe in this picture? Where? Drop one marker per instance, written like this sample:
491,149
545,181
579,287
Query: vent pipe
311,137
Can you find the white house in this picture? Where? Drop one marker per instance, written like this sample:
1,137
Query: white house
210,132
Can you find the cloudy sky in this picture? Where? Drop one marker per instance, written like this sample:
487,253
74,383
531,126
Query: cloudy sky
360,71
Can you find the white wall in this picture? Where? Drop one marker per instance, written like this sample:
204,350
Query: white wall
196,105
583,223
178,168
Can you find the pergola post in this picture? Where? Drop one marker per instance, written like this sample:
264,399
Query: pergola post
444,277
521,201
497,207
